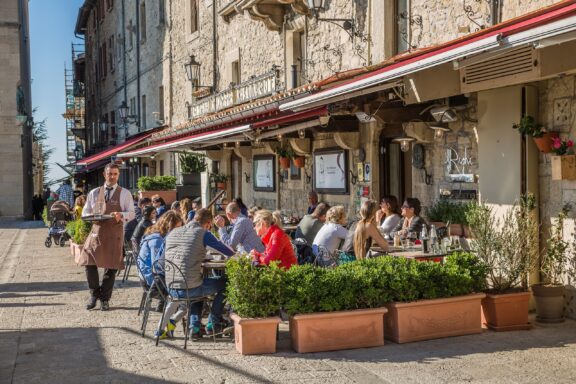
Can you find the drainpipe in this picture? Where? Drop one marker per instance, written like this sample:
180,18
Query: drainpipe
214,48
294,75
138,64
124,80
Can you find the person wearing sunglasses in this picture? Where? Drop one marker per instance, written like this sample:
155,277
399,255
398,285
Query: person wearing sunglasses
411,222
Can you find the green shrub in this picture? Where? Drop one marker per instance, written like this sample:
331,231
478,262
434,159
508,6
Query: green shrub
254,291
45,216
447,211
78,230
192,162
156,183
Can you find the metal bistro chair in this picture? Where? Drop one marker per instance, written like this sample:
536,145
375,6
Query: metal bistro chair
325,258
175,278
154,291
131,252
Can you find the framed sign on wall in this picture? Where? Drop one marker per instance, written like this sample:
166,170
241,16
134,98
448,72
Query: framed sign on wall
264,172
330,171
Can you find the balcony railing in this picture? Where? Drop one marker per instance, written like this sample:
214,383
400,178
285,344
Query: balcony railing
254,88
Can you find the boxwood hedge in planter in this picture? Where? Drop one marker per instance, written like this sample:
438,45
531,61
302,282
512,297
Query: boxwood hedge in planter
256,294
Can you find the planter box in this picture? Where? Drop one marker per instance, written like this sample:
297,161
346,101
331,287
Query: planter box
169,196
507,312
191,179
434,319
255,336
564,167
570,302
332,331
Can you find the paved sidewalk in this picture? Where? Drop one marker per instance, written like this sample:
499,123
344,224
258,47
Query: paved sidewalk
46,336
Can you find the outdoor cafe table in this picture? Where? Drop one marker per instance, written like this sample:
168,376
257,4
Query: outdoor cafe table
414,252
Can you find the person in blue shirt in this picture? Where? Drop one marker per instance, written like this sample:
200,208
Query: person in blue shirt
242,234
159,204
186,248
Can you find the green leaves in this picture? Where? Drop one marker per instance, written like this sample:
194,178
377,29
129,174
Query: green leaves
156,183
529,127
78,230
192,162
369,283
447,211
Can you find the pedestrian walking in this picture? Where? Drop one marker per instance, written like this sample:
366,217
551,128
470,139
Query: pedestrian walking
103,247
66,193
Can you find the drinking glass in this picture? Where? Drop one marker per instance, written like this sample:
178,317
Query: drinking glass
99,208
455,242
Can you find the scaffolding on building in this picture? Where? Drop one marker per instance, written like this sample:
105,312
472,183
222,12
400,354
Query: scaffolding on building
75,108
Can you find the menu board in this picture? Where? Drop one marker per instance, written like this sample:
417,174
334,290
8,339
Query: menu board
330,171
263,173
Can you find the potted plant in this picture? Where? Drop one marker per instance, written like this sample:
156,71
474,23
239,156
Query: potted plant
78,231
284,156
570,298
255,293
299,161
507,246
433,300
549,295
563,164
219,180
338,308
444,212
165,186
529,127
191,165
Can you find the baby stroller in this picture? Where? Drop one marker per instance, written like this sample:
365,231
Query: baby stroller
60,216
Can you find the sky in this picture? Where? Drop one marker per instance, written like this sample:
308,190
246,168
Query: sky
52,25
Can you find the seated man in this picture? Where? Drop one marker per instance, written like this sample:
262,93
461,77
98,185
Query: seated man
309,226
186,247
242,234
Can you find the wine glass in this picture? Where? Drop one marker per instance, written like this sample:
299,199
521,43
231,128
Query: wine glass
99,208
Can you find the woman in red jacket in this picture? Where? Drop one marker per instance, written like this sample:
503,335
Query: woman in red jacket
277,243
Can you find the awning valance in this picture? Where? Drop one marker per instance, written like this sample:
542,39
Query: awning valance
113,150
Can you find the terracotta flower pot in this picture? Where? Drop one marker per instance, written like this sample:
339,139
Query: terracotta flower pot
549,300
221,186
434,319
255,336
284,162
570,302
332,331
299,161
544,143
507,312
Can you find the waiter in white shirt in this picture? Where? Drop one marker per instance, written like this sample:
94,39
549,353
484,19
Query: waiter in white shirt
103,246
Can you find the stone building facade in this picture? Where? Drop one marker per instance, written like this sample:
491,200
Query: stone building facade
16,120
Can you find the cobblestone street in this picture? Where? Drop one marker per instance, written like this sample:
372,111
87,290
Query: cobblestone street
46,336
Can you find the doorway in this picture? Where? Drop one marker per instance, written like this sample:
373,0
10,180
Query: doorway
236,182
395,170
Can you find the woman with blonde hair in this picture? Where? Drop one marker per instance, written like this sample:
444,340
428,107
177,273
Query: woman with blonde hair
333,230
79,205
367,231
277,218
185,209
277,243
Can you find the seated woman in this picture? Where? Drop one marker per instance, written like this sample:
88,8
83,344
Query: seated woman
388,216
411,221
159,204
152,245
186,209
366,230
148,218
333,230
277,243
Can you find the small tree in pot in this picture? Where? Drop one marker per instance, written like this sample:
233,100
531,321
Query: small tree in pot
191,165
507,246
219,180
549,295
284,156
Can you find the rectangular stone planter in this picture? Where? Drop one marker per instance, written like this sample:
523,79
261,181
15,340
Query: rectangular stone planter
433,319
332,331
255,336
507,312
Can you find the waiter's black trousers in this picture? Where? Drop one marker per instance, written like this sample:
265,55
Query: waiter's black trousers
100,291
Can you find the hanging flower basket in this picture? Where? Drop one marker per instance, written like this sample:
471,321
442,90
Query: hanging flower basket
299,161
221,186
544,143
284,162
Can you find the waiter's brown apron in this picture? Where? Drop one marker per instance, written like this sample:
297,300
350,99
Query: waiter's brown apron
103,246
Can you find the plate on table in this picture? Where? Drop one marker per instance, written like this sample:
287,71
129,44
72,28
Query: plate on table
97,217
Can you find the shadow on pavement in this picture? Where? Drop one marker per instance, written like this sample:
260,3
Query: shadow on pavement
5,295
18,223
26,305
54,286
64,355
489,342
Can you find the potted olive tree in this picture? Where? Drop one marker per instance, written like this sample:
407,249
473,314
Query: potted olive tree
507,245
255,293
549,295
164,186
529,127
218,180
191,166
